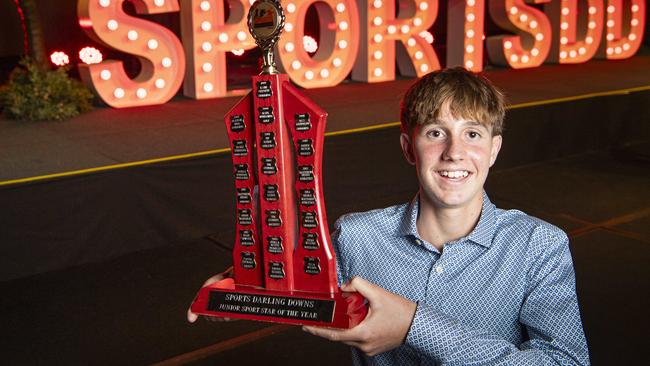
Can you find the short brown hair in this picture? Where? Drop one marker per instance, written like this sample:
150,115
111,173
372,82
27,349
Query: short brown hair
467,95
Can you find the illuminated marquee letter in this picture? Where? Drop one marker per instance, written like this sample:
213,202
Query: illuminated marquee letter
207,36
159,51
338,45
623,38
575,45
379,31
465,34
528,49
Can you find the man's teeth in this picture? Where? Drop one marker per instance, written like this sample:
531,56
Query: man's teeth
454,174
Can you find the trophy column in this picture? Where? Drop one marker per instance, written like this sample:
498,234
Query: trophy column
247,256
275,175
314,259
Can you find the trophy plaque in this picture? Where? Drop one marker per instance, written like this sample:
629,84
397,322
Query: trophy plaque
284,266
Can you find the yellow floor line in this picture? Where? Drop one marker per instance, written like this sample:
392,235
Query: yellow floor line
113,166
328,134
579,97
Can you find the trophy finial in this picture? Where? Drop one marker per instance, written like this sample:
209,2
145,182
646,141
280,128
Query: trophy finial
265,23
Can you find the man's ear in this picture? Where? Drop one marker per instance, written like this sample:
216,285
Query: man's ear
407,148
496,147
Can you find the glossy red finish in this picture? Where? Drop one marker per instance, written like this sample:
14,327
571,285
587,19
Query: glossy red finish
283,254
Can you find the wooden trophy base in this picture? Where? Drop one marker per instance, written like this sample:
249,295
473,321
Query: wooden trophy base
227,300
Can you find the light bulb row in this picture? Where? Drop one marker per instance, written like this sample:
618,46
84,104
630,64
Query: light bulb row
301,63
401,29
107,3
471,42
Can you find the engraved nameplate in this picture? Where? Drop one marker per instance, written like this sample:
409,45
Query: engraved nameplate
307,197
246,238
268,166
309,220
271,306
239,148
271,192
267,140
244,196
305,147
241,171
244,217
264,89
305,173
266,114
273,218
303,122
237,123
248,260
310,241
312,265
274,244
276,270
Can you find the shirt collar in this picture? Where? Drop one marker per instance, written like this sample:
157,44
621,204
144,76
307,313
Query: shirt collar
482,233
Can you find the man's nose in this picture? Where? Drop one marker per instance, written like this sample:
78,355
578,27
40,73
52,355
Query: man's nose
454,149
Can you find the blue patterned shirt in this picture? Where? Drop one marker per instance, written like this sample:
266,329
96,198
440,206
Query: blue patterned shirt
503,295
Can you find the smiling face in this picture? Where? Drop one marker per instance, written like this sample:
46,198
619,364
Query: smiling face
452,157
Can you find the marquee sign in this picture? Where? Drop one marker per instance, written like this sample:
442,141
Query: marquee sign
357,37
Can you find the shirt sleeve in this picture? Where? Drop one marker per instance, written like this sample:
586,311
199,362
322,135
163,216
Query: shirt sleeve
549,313
337,243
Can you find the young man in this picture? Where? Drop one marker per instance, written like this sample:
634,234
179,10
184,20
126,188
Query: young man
450,278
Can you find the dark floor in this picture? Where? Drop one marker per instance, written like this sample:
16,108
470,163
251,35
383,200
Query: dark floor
131,310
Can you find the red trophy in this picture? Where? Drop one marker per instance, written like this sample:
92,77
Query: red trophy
284,263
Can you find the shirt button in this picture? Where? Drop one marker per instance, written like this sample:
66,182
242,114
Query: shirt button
418,241
439,269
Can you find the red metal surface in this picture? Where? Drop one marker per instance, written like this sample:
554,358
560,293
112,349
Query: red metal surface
283,250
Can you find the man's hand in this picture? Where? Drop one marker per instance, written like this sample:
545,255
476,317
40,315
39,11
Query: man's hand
191,317
384,328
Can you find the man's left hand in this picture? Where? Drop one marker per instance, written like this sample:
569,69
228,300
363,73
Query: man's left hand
384,328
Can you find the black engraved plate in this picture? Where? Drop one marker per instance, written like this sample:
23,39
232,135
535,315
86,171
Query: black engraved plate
239,148
309,220
305,147
268,166
276,270
310,241
305,173
264,89
266,114
248,260
307,197
244,196
237,123
312,265
241,171
246,238
244,217
273,218
274,244
268,140
271,306
303,123
271,192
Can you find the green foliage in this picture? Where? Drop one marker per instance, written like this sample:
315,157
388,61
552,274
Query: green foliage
34,93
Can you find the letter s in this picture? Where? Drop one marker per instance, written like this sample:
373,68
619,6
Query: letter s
157,48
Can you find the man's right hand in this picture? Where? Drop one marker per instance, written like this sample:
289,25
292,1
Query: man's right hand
191,317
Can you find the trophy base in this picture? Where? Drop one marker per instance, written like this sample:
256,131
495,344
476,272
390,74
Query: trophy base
227,300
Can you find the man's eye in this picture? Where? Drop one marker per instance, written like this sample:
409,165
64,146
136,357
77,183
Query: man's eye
435,133
474,135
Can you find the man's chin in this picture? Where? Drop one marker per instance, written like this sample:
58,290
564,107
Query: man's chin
454,200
